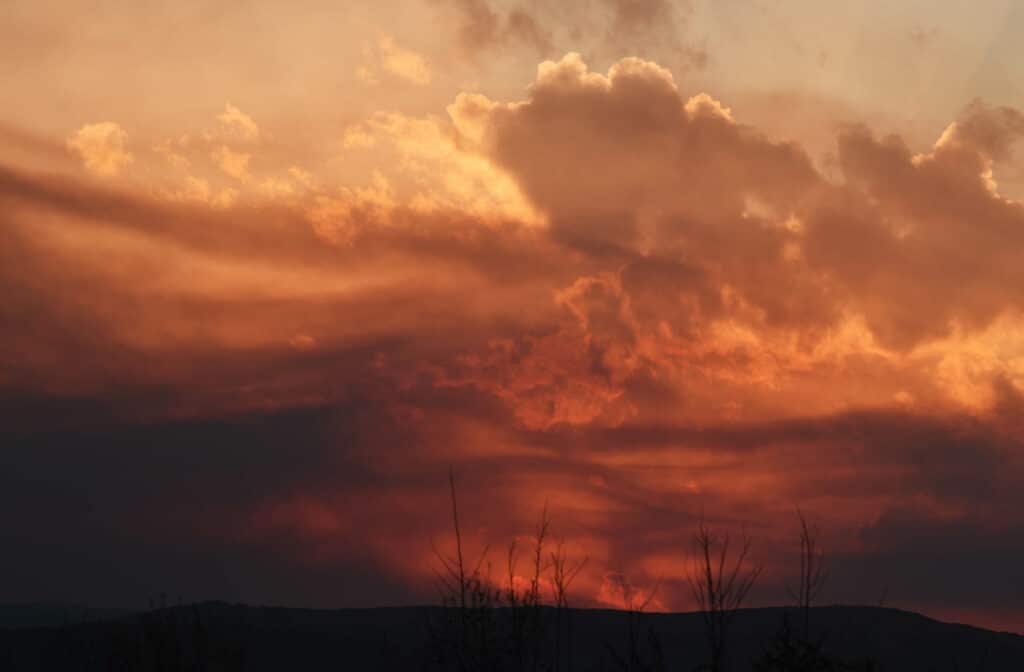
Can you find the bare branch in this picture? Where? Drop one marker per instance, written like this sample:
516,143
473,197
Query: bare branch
719,586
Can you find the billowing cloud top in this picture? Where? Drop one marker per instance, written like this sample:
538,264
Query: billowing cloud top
632,297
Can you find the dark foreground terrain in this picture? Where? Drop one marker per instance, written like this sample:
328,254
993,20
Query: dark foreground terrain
218,636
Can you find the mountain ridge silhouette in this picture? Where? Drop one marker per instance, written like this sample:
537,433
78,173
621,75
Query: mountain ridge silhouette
268,637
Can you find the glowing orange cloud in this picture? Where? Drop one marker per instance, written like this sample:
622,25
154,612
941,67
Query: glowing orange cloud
611,294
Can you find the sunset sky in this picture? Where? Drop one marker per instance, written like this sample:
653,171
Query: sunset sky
270,269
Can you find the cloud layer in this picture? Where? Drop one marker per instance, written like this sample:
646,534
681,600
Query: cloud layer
612,295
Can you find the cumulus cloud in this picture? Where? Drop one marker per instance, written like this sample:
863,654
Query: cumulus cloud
102,147
700,184
224,162
643,143
908,222
445,176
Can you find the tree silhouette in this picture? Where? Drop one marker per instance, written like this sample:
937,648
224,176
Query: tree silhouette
719,586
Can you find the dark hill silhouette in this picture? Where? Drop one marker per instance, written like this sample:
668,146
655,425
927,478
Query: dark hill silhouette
53,615
218,636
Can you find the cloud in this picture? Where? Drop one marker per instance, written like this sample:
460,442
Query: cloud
908,221
642,143
482,27
238,124
727,256
235,164
612,293
444,175
631,15
623,499
647,27
609,29
199,190
101,147
219,164
357,136
584,144
405,64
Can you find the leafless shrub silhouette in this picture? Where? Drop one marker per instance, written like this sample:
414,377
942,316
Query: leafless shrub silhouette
165,638
523,621
524,605
465,637
719,585
791,653
563,573
634,659
489,627
813,572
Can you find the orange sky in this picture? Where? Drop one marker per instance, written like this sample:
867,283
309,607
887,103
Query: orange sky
268,272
